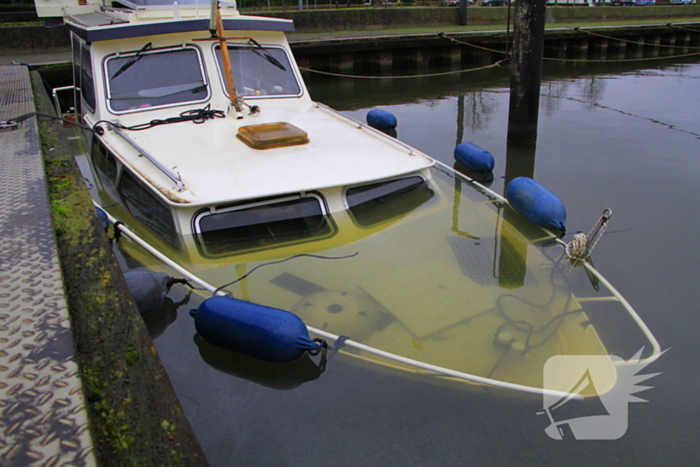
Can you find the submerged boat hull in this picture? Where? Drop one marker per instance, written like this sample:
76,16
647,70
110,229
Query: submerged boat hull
460,283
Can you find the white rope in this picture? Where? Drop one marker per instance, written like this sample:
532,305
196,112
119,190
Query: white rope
581,246
576,248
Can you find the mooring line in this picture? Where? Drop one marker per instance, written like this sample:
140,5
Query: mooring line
633,42
671,25
649,119
426,75
442,34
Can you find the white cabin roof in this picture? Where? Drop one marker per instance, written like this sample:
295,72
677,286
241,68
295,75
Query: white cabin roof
217,167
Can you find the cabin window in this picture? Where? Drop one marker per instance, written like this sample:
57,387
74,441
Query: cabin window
87,84
279,222
75,44
159,78
105,165
104,161
377,202
147,208
260,71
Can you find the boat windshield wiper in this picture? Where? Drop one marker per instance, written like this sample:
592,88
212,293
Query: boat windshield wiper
265,54
133,60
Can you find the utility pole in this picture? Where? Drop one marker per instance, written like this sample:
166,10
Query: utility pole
526,71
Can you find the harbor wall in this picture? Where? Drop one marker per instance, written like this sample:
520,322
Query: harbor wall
419,53
399,17
14,38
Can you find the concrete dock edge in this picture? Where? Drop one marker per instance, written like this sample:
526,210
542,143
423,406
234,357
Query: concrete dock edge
81,383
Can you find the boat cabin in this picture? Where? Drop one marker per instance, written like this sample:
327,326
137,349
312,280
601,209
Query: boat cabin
172,151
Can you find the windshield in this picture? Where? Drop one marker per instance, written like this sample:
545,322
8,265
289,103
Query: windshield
260,71
155,78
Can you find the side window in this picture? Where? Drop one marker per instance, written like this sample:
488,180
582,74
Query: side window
87,83
76,72
105,165
377,202
143,205
248,227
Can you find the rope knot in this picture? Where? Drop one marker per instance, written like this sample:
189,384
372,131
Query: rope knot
581,246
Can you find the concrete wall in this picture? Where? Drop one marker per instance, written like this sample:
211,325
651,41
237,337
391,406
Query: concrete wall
33,38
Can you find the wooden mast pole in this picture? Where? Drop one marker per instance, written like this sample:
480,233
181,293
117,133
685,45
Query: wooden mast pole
225,58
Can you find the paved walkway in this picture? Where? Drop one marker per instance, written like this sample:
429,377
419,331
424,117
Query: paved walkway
43,420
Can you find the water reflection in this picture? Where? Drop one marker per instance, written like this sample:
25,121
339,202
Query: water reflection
279,376
158,321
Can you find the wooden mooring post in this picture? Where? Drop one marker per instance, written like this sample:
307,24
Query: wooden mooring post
526,71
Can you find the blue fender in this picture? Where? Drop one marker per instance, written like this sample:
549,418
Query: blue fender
536,203
255,330
102,216
474,158
381,120
147,288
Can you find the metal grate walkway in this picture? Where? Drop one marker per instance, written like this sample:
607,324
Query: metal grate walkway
43,420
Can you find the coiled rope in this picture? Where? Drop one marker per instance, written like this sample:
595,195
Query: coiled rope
581,246
197,116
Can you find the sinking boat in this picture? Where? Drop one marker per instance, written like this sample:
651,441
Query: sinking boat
207,149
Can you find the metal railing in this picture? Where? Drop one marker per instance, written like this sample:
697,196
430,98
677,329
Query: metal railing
171,175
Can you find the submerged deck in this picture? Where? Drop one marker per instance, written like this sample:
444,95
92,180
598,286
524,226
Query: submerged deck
44,420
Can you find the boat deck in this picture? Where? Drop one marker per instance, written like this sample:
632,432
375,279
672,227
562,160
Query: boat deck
44,419
339,152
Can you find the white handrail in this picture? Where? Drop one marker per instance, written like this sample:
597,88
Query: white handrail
147,155
656,348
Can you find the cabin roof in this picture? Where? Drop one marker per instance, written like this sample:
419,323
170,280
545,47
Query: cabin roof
124,19
217,167
98,26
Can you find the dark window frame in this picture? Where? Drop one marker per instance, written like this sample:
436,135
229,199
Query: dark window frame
325,229
206,82
289,62
164,224
108,157
87,77
76,44
364,212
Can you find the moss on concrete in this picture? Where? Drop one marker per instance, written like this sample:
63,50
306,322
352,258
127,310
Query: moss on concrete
135,417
